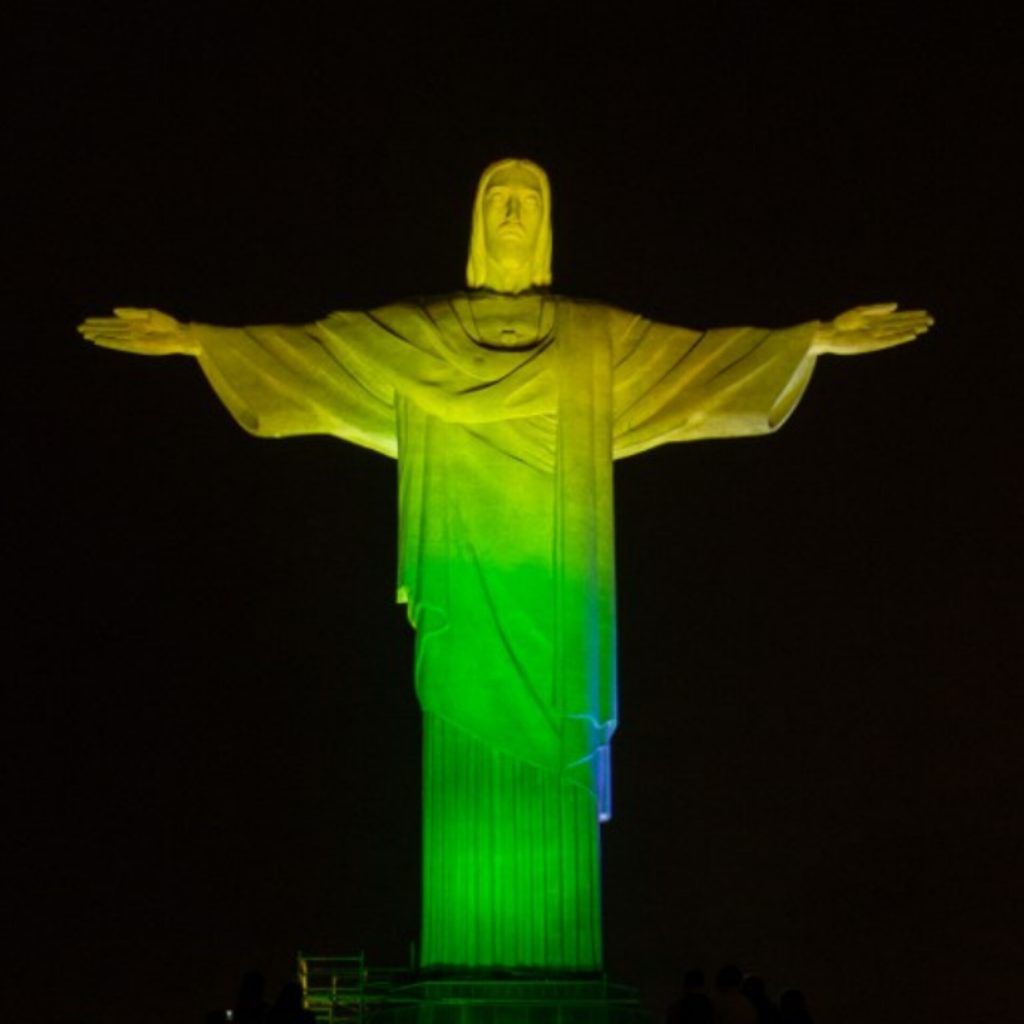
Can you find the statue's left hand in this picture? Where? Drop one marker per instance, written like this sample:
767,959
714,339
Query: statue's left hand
870,328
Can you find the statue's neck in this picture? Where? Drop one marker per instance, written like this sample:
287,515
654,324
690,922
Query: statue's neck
512,278
509,321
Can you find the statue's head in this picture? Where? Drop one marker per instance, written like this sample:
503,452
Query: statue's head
510,248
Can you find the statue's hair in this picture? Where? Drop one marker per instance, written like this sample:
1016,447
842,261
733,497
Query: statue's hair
540,264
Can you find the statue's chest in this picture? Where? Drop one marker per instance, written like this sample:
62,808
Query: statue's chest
507,322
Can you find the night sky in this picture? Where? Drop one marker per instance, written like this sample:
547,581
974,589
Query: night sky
212,744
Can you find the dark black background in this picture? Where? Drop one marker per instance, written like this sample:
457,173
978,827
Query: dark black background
211,738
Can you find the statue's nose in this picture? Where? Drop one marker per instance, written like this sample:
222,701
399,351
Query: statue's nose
512,212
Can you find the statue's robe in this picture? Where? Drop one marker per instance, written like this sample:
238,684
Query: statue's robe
506,563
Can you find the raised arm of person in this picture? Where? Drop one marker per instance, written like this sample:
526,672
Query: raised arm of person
276,380
674,384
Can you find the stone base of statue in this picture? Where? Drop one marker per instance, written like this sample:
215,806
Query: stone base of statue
513,1001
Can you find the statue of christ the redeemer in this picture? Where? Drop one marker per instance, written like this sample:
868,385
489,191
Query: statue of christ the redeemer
505,405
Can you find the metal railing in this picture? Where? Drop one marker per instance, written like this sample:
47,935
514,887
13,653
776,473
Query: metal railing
343,989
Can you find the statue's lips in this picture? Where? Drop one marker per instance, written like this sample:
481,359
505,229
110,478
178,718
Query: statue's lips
512,229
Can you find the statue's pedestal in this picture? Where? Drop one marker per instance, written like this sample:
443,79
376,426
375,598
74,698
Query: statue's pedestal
512,1001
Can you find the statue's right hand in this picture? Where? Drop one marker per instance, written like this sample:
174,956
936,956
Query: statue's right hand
147,332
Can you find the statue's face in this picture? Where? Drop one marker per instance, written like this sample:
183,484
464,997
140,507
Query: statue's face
513,213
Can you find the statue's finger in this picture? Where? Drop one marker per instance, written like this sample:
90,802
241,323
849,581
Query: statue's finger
94,332
122,344
917,327
106,340
131,313
906,320
879,308
116,346
910,314
895,338
894,329
108,324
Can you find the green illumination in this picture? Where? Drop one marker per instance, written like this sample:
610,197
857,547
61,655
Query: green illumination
505,407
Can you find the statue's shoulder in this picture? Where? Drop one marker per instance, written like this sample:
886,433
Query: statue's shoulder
404,317
411,306
596,305
605,315
433,306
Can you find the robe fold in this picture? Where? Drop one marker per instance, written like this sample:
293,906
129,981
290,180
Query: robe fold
506,563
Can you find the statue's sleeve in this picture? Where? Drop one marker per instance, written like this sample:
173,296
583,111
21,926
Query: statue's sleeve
674,384
279,381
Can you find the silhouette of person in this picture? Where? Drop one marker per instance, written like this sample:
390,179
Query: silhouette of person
288,1008
731,1006
793,1008
753,988
693,1006
250,1006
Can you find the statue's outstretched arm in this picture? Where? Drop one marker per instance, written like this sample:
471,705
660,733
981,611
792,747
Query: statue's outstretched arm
869,329
146,332
277,380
